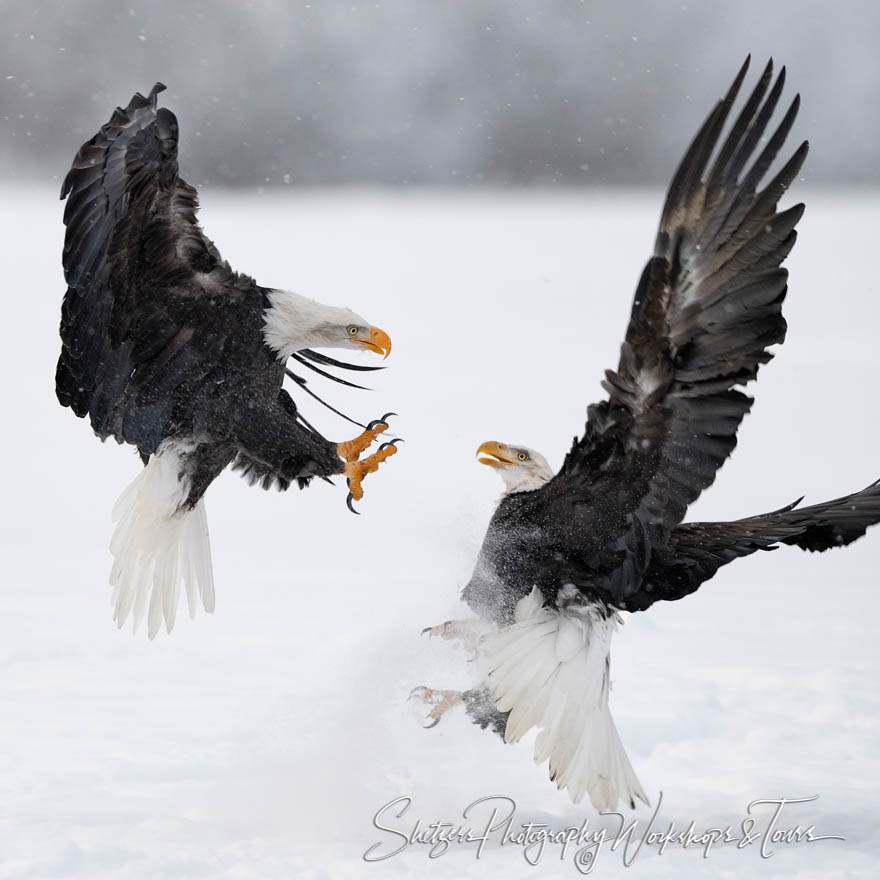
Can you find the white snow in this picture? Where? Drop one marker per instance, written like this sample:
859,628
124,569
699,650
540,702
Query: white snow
260,741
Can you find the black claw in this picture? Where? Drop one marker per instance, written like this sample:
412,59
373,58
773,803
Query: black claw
419,692
427,629
382,421
390,443
348,503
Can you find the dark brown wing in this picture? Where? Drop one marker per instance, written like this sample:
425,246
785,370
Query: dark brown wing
697,550
707,308
131,237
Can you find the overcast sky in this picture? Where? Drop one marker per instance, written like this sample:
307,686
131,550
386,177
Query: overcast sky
498,92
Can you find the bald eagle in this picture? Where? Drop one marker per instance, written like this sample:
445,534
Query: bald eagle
166,348
566,552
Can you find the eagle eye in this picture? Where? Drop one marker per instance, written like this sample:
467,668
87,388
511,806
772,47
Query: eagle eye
522,456
353,330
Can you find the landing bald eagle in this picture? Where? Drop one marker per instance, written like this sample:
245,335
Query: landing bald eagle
168,349
565,552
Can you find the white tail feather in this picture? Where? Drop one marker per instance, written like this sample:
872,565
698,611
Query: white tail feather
549,670
158,544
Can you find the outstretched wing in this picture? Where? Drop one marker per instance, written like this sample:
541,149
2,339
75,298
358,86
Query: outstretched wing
708,306
697,550
131,236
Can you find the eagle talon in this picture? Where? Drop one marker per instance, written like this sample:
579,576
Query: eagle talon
468,632
383,421
356,470
445,630
439,701
349,503
351,449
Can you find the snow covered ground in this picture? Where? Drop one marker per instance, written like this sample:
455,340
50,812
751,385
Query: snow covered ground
259,742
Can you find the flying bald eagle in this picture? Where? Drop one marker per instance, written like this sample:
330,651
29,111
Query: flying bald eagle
565,552
168,349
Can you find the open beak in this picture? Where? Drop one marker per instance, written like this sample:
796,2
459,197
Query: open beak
379,341
500,454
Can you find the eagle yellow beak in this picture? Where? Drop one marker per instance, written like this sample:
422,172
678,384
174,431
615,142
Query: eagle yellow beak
499,452
379,341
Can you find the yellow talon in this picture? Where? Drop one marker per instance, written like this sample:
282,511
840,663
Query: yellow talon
355,470
351,449
439,701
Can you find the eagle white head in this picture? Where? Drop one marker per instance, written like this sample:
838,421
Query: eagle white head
521,468
294,322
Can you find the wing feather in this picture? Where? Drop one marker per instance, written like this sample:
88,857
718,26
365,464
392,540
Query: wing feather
706,311
697,550
131,233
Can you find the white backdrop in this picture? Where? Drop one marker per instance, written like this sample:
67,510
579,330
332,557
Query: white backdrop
260,741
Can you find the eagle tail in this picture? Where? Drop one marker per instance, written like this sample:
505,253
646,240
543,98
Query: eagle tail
600,767
159,545
550,670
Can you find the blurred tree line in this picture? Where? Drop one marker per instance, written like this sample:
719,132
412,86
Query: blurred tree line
439,92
